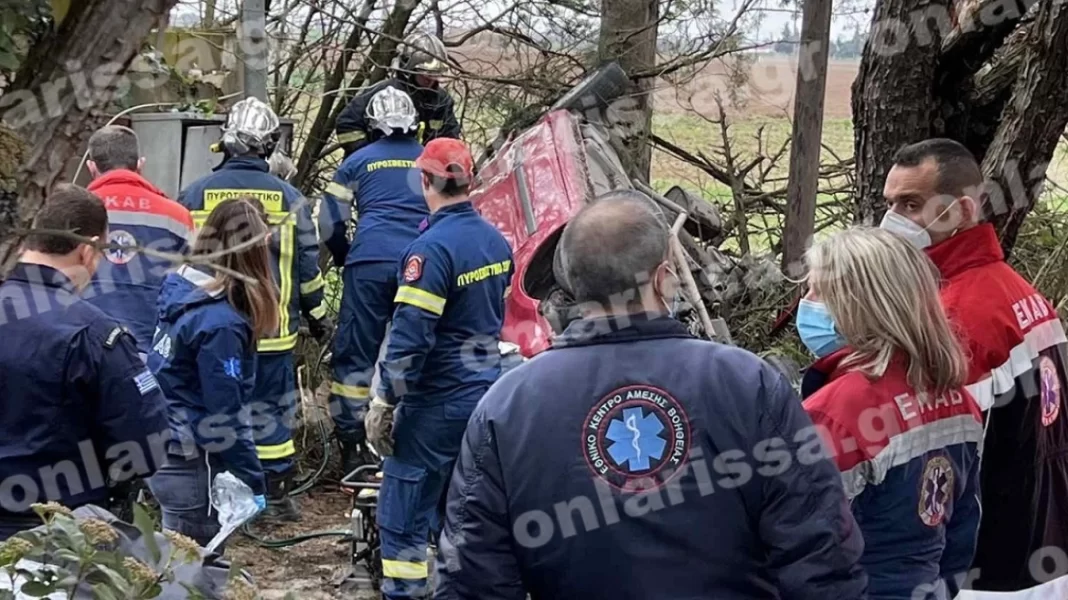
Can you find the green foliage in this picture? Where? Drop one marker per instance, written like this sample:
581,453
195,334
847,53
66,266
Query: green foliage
84,554
21,22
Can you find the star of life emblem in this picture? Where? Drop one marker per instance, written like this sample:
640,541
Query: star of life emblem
936,491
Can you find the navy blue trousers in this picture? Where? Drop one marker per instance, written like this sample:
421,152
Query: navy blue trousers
366,308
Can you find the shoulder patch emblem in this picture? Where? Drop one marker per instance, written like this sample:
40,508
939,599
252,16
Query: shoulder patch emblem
413,269
936,491
232,368
636,438
1051,390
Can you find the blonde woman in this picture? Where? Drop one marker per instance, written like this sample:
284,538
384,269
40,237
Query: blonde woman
887,395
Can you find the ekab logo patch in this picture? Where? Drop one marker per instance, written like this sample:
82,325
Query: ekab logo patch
1051,390
120,256
936,491
635,434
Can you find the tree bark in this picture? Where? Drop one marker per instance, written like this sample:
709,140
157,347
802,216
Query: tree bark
54,101
1032,122
628,35
807,133
893,98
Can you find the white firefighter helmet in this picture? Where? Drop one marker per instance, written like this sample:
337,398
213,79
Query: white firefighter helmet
422,52
391,110
251,125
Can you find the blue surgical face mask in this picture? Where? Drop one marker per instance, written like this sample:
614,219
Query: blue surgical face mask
816,326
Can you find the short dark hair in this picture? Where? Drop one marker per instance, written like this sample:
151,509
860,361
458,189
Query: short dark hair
449,187
114,147
612,247
958,171
69,208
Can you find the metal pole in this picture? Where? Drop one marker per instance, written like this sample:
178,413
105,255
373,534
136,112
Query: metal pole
253,40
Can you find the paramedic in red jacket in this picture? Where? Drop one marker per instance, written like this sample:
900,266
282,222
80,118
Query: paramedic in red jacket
888,393
127,283
935,197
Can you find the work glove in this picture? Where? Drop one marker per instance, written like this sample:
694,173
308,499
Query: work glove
379,425
321,329
261,502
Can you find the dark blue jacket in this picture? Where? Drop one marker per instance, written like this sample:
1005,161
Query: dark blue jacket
634,461
382,182
449,311
204,357
294,245
73,392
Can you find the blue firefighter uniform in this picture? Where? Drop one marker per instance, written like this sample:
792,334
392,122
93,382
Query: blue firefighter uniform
634,461
382,184
442,356
295,253
204,358
75,399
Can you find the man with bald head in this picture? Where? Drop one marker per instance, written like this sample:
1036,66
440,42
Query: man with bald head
632,460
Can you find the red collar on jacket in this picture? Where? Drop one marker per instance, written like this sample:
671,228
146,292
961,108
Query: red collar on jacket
123,177
968,249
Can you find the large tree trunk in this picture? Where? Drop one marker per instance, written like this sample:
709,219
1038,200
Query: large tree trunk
1032,123
373,69
54,101
628,35
997,82
892,95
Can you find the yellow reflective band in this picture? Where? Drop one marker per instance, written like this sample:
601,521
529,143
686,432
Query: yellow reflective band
280,344
310,287
285,272
422,129
357,392
399,569
420,298
277,451
271,199
350,136
436,123
339,191
318,312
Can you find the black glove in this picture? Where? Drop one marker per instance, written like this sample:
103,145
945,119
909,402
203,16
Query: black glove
321,329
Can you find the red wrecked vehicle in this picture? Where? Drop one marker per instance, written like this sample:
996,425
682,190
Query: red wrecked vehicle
532,185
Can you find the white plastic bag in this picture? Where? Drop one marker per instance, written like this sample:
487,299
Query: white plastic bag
234,504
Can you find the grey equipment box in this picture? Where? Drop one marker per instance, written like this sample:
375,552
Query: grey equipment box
177,147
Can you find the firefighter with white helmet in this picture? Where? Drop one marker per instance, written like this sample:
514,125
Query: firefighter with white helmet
377,183
250,136
420,63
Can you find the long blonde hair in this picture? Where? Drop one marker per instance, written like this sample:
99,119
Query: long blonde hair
883,294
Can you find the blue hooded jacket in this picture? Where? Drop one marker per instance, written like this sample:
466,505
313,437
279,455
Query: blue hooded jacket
204,356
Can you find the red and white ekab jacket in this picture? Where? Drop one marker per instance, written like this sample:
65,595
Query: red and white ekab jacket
1018,355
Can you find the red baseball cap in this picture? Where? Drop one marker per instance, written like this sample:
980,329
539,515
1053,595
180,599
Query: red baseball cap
448,158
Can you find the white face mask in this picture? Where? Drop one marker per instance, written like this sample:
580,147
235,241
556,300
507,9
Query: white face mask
912,232
916,235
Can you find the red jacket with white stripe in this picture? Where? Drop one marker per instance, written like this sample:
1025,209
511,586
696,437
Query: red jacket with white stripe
910,468
1017,349
127,283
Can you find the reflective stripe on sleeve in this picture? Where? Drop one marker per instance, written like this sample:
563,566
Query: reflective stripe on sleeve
339,191
421,299
318,312
350,136
356,392
310,287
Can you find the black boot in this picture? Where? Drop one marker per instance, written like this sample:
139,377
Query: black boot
280,505
354,452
